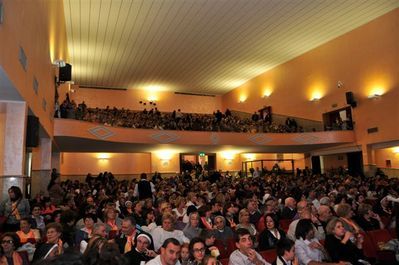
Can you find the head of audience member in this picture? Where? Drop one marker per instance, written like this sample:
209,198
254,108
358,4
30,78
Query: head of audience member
142,243
56,216
325,201
243,240
285,248
306,213
149,216
271,221
290,203
108,254
36,209
99,229
344,210
220,222
205,211
194,220
138,207
164,207
90,201
270,206
14,193
252,205
325,213
94,246
197,250
9,242
25,225
168,222
208,236
243,217
180,202
304,229
366,211
231,208
89,220
53,232
70,257
110,214
336,228
301,205
210,260
185,252
128,227
170,251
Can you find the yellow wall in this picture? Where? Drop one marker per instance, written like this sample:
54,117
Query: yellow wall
38,27
335,161
117,163
363,59
387,154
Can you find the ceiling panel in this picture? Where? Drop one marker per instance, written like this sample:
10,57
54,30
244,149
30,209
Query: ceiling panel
200,46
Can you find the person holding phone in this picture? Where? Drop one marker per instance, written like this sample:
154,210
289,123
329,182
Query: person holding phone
141,253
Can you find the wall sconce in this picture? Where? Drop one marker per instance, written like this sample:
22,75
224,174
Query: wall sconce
267,93
103,156
242,99
374,96
315,99
396,150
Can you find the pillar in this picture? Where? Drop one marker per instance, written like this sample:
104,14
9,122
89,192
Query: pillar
13,131
369,165
41,166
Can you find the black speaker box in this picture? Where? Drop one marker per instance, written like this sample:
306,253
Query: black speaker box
350,99
32,132
65,73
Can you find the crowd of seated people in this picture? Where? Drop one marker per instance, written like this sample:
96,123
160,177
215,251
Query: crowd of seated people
176,120
197,218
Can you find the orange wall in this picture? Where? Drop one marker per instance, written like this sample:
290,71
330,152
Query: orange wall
162,163
117,163
333,161
166,101
2,138
387,154
38,27
362,59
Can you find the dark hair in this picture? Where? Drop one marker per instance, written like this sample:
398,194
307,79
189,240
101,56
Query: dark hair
143,176
206,233
284,244
90,215
171,240
130,219
67,216
109,254
302,228
240,232
52,180
15,239
191,245
274,218
17,191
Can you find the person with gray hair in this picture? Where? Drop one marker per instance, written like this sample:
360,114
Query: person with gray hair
192,228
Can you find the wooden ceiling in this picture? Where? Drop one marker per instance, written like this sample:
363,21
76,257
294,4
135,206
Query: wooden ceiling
200,46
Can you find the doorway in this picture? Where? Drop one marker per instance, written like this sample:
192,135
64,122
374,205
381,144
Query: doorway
191,161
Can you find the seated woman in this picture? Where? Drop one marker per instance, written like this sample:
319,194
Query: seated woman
307,248
53,246
208,236
205,213
27,234
343,245
112,221
9,242
197,251
244,222
192,228
222,232
85,233
345,212
367,219
271,234
141,252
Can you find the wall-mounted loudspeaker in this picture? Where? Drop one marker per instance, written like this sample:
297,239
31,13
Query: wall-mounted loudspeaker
350,99
65,73
32,132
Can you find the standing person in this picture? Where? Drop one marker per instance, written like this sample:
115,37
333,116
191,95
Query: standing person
144,189
245,254
170,252
55,191
14,208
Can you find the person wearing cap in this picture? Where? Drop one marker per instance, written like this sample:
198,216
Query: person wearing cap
141,252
